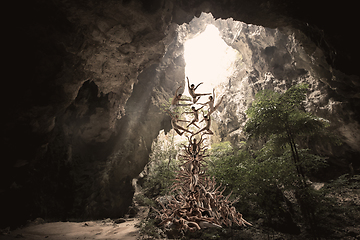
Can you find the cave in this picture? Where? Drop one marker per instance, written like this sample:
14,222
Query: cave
81,116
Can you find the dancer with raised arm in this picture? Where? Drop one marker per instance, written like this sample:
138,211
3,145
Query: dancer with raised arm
176,99
174,123
192,88
196,116
211,103
206,129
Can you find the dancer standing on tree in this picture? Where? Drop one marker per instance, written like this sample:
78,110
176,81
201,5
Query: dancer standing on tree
192,88
211,103
196,116
194,146
174,120
206,129
176,99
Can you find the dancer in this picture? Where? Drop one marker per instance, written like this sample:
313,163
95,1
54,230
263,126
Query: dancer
176,99
192,88
196,116
206,129
174,120
211,103
194,147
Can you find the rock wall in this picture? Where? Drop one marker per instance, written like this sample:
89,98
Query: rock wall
83,111
271,59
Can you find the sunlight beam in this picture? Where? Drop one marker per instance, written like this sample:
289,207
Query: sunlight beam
208,59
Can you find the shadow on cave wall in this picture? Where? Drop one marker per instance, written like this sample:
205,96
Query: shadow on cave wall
136,131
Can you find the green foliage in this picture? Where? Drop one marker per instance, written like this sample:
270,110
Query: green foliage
282,114
261,176
254,180
160,171
280,118
221,149
149,229
142,200
164,106
265,179
160,180
345,180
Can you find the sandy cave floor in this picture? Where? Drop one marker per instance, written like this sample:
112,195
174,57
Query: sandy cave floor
102,229
346,193
123,228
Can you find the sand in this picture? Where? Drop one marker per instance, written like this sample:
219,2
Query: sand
102,229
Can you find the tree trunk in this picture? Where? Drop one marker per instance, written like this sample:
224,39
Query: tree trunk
296,157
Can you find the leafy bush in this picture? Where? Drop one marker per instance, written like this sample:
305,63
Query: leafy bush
149,229
263,176
255,181
265,182
159,174
281,118
160,180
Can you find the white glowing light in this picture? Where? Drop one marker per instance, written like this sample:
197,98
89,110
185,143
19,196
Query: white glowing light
208,59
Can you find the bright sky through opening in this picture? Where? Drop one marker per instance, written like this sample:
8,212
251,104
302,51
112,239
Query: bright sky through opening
208,59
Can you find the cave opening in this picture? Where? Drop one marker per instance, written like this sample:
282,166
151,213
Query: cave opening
237,60
200,53
209,59
211,51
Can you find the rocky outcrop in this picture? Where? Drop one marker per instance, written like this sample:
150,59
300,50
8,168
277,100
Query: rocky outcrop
270,59
80,123
273,60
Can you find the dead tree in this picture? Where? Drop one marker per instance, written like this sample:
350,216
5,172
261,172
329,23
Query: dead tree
199,202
